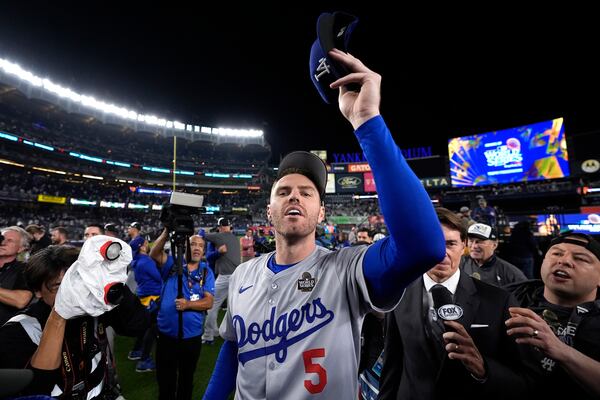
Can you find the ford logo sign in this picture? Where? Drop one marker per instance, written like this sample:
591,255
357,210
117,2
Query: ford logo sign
349,181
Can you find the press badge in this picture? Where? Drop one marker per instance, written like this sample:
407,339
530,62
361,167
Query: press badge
194,297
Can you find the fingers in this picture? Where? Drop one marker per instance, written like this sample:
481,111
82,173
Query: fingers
455,338
457,327
180,304
524,312
359,73
348,60
524,331
452,347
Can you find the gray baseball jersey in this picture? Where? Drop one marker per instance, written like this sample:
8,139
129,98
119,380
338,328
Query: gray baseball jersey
298,331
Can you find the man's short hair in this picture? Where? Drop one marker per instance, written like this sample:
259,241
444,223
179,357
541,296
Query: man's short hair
62,230
452,221
364,229
47,264
26,238
100,227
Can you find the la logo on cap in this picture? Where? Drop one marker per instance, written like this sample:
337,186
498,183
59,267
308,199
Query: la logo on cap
322,69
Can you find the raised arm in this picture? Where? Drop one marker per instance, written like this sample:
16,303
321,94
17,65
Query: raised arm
416,242
157,252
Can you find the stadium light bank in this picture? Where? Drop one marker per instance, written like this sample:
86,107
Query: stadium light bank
11,69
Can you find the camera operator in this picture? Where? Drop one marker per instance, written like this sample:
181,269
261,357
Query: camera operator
176,359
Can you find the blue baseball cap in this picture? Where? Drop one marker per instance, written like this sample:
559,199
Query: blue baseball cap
136,244
333,31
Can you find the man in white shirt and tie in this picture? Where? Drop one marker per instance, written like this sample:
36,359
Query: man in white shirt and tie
447,336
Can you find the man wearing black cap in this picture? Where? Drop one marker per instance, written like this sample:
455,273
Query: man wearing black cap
482,262
228,258
561,321
111,230
292,327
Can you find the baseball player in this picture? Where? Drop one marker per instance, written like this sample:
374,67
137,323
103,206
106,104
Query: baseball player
292,329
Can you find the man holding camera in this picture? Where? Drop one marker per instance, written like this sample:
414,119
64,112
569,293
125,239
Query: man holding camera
176,359
62,337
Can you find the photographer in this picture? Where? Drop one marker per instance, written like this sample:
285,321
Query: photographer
60,339
176,359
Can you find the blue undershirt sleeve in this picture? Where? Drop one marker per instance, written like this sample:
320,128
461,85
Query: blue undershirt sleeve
416,242
222,381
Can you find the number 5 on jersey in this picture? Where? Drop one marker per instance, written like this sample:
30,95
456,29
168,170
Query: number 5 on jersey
311,367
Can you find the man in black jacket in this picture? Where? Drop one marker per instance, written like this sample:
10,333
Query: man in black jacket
446,338
68,357
561,321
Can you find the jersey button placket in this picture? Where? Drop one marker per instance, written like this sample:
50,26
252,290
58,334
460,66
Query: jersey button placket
274,287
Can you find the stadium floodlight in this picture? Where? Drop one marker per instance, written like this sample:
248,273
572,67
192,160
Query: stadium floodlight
3,161
16,70
54,171
98,178
249,133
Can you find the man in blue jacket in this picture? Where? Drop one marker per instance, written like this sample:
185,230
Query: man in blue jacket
176,359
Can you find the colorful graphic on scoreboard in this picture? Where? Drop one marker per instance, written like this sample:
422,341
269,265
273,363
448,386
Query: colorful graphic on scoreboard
528,153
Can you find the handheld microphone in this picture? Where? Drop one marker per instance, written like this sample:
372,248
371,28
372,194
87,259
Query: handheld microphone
443,304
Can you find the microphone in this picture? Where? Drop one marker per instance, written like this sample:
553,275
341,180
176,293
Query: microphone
444,305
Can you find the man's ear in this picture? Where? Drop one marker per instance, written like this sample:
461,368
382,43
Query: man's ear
321,214
269,212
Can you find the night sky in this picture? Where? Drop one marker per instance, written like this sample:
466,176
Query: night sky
445,72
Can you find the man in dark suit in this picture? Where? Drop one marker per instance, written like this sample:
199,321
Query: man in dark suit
447,338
